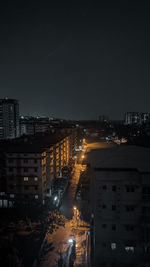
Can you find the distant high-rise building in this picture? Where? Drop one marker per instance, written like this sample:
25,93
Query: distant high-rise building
9,118
103,118
145,117
31,125
132,118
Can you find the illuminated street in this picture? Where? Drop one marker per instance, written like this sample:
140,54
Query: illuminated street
99,145
60,238
74,227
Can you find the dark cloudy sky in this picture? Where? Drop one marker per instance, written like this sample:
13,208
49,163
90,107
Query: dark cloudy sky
76,59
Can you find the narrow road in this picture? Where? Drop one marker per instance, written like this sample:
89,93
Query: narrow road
66,208
59,239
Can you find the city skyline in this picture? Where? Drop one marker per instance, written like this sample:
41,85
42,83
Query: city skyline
76,60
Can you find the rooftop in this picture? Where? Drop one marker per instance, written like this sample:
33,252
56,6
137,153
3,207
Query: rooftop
123,157
31,144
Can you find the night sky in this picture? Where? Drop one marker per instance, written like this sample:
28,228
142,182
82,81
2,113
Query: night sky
76,59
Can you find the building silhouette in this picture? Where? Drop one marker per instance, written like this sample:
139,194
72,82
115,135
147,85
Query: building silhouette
9,118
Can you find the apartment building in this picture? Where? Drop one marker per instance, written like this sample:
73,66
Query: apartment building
136,118
31,125
9,118
120,207
30,166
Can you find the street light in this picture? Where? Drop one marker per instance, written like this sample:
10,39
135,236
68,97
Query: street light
70,240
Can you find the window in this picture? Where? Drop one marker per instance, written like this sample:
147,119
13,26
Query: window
25,160
10,160
35,169
26,179
36,187
129,248
129,188
114,188
103,206
104,225
35,161
104,187
129,227
36,196
146,190
130,208
10,169
113,227
26,187
25,169
113,246
2,193
35,178
11,186
113,207
12,195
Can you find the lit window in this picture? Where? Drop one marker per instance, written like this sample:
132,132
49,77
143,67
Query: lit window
113,246
35,178
2,193
129,248
12,195
26,178
36,196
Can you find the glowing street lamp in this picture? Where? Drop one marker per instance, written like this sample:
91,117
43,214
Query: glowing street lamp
70,240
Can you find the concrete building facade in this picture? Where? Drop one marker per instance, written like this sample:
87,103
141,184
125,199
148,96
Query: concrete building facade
120,199
30,168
